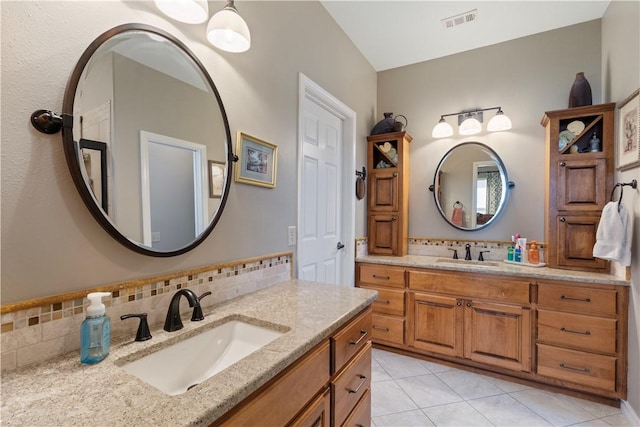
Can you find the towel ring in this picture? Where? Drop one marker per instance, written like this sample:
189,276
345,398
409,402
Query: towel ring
632,184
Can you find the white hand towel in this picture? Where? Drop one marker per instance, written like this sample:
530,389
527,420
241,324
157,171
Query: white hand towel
613,238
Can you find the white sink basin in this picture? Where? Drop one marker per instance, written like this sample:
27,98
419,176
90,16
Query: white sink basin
175,369
468,262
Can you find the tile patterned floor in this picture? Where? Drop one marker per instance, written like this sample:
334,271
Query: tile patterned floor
413,392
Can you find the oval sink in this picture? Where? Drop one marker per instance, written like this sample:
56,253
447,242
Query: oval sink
185,364
468,262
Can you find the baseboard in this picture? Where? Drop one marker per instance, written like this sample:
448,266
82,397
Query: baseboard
628,412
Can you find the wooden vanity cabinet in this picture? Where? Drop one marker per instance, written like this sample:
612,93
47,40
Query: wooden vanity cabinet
577,183
327,386
389,309
388,193
450,315
582,336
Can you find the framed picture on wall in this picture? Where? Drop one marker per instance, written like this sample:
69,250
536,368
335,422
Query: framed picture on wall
628,132
216,178
257,161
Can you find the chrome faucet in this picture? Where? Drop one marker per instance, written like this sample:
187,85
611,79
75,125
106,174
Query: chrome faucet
173,321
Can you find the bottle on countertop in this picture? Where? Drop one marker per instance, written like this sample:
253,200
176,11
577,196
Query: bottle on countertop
534,253
510,253
95,331
517,254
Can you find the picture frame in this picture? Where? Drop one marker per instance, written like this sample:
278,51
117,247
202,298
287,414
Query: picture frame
94,161
216,178
257,161
629,132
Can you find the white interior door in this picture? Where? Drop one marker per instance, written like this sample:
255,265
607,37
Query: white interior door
326,191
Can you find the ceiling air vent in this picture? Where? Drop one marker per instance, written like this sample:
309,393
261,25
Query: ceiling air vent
462,18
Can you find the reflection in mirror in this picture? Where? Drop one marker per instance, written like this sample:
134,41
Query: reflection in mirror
471,186
146,100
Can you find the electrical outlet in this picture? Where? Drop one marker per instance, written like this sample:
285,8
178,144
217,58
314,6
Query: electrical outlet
291,235
155,236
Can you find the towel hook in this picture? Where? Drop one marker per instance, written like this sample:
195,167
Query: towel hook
632,184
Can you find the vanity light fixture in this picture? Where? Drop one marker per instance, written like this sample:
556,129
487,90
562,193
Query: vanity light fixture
470,123
187,11
228,31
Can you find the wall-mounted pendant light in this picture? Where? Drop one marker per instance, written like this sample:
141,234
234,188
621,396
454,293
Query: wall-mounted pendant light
228,31
470,123
187,11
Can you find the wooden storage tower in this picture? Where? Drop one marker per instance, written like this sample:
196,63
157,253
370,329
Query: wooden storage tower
388,193
577,182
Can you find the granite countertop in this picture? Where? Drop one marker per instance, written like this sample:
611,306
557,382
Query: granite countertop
62,391
494,267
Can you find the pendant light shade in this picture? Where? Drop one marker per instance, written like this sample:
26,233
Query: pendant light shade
442,129
228,31
499,122
470,126
187,11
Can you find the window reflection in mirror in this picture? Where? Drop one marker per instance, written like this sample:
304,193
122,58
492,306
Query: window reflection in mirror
471,186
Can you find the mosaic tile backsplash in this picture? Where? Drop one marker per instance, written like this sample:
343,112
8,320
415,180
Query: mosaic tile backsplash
36,334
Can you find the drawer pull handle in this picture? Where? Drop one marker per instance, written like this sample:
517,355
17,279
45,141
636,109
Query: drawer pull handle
563,329
385,302
363,379
375,276
575,299
378,328
363,334
571,368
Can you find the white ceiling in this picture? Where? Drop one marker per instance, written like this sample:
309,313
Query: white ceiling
395,33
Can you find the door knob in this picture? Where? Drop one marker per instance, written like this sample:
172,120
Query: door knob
340,245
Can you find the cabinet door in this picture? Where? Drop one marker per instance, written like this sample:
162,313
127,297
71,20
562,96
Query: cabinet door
383,234
435,324
317,413
576,238
498,334
581,185
384,191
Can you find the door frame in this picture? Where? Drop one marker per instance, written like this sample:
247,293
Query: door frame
308,89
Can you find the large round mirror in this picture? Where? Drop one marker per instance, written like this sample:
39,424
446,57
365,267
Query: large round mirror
147,140
471,186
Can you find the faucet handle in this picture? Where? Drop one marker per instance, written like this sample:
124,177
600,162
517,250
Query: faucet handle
455,253
480,257
197,310
143,333
467,255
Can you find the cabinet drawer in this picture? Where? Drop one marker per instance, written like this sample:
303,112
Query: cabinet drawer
278,403
361,415
578,298
389,329
389,301
382,275
350,339
575,330
577,367
317,413
351,384
471,286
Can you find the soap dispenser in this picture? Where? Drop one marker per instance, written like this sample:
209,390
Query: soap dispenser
534,253
95,331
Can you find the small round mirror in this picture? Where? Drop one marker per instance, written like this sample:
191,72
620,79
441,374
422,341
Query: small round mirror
471,186
148,146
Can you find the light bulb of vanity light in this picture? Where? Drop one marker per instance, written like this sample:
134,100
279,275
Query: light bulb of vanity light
470,126
228,31
442,129
499,122
187,11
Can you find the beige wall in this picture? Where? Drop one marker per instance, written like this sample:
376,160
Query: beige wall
620,78
50,242
527,77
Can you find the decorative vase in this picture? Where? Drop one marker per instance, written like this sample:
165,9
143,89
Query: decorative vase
580,94
385,125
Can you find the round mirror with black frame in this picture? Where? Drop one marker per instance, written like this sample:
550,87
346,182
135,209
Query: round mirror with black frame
471,186
147,140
